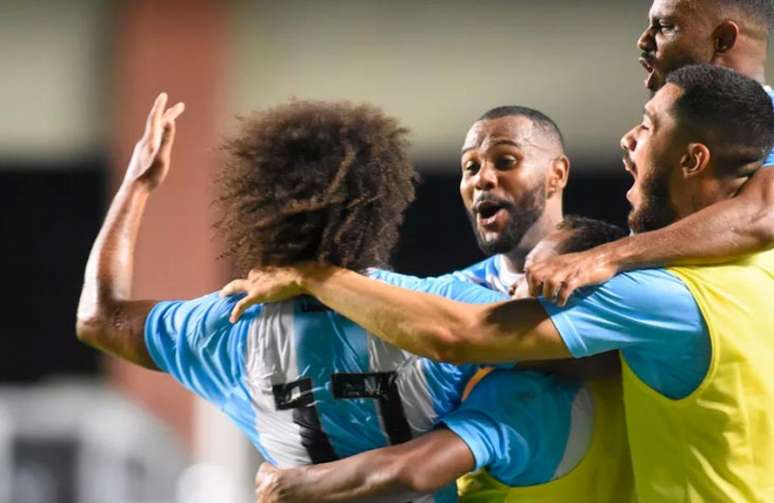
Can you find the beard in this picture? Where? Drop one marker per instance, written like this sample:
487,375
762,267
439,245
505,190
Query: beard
656,210
522,215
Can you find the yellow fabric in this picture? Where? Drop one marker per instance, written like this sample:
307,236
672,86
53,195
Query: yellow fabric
717,444
602,476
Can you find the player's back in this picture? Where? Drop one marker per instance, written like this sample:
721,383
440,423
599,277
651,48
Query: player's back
323,388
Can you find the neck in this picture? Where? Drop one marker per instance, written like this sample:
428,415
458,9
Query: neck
748,59
514,259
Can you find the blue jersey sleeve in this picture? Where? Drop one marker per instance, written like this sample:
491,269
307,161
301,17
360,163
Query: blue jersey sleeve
196,344
516,424
651,316
445,286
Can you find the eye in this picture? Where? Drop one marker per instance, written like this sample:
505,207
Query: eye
505,162
470,167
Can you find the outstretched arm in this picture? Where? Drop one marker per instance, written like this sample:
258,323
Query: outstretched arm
424,324
390,474
107,317
741,225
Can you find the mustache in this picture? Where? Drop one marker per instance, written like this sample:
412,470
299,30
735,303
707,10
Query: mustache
627,159
490,198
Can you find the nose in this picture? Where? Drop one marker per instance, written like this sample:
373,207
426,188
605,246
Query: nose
486,178
628,141
646,42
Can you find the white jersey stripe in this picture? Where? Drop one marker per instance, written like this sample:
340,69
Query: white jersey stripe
271,359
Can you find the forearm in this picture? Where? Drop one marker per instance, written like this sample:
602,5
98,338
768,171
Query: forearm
734,227
371,480
107,319
390,474
424,324
435,327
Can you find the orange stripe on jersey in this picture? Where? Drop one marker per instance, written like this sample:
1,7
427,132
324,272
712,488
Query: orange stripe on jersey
473,381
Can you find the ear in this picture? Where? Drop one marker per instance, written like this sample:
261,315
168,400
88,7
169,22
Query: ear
557,176
725,36
695,160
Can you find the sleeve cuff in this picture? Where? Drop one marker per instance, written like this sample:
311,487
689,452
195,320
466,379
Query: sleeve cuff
152,339
465,425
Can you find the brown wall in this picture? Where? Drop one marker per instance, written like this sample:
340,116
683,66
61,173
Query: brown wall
177,46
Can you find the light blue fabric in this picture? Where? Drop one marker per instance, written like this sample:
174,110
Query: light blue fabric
516,424
651,317
195,343
485,273
770,160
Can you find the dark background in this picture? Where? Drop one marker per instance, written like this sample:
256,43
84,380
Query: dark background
52,214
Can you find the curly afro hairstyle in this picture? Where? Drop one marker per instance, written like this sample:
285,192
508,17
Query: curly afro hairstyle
318,181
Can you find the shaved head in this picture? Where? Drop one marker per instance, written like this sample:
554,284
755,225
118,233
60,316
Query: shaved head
539,120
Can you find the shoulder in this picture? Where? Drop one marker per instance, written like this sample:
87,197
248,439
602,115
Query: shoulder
651,288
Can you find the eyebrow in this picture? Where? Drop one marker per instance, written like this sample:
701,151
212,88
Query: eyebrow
503,141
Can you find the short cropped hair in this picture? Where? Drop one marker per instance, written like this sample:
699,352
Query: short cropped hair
754,11
537,117
732,114
587,233
315,181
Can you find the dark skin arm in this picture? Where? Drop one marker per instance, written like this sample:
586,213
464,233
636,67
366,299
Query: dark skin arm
738,226
108,318
424,324
390,474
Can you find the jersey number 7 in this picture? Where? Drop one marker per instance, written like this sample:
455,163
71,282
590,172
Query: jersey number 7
380,386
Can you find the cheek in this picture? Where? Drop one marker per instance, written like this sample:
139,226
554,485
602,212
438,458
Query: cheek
466,192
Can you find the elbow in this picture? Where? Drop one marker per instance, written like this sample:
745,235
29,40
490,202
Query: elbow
89,328
92,324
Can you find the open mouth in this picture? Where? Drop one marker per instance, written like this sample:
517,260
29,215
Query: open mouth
646,60
487,212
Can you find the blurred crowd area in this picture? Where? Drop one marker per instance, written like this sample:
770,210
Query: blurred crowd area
78,78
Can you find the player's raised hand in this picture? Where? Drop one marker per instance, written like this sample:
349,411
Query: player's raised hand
558,277
269,284
151,157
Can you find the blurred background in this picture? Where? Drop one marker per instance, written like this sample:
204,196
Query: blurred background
78,79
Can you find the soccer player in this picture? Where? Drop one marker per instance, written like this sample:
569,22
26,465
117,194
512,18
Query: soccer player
728,33
696,360
529,434
514,171
307,180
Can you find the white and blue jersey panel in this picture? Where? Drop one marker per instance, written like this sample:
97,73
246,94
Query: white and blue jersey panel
304,383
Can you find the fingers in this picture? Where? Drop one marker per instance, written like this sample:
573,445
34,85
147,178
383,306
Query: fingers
239,309
234,287
564,293
152,124
534,282
173,113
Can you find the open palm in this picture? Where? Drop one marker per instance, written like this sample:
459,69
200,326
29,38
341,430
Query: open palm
151,157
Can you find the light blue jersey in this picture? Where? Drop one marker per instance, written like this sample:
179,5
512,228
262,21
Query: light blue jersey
651,316
770,160
305,384
489,273
517,425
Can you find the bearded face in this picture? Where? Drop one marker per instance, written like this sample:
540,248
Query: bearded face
500,224
655,209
